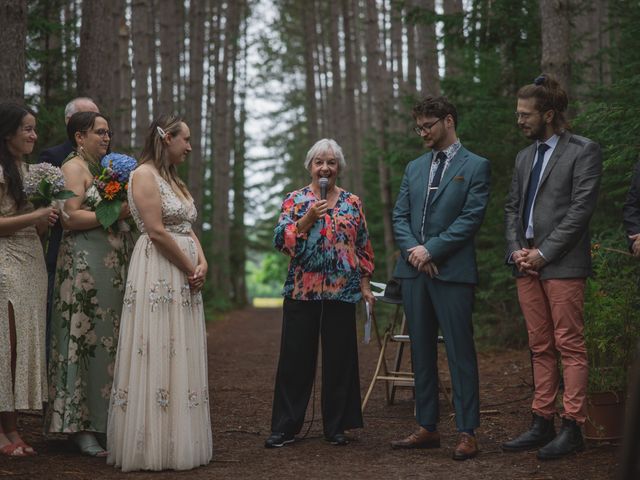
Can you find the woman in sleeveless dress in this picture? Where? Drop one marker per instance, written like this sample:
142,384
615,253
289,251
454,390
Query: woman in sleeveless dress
159,413
87,300
23,285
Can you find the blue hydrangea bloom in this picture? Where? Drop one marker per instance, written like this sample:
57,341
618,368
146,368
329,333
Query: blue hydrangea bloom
121,164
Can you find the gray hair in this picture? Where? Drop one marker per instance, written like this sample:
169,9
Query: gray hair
71,108
322,146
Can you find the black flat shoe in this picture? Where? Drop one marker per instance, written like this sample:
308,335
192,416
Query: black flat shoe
279,439
338,439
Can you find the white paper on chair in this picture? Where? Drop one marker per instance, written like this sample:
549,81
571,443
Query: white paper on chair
367,325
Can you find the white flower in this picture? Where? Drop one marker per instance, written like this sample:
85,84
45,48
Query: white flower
162,397
85,281
105,391
81,324
115,241
107,342
72,354
91,338
111,260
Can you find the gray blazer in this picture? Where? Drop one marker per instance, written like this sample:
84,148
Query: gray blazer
565,202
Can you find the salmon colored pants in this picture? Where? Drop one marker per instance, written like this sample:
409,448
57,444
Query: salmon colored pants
553,314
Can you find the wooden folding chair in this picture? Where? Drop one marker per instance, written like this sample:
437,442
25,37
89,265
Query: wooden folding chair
395,333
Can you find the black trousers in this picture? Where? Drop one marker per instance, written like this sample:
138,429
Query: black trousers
302,322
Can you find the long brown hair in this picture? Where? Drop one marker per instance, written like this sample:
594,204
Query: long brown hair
155,150
11,115
549,95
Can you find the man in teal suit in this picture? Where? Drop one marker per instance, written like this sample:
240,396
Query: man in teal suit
440,207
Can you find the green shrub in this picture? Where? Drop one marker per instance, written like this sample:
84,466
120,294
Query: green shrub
612,317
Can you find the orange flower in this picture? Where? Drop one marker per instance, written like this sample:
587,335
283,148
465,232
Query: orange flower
111,189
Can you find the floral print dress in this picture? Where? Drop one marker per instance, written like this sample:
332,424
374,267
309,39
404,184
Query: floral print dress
159,414
23,284
87,302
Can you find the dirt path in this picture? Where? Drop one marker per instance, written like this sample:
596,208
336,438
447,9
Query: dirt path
243,351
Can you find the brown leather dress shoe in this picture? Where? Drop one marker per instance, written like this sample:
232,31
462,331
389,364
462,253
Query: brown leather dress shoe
467,447
421,438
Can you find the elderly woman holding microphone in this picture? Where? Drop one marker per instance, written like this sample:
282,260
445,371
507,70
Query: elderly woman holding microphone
323,230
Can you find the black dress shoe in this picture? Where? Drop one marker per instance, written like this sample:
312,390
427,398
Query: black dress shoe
338,439
568,441
279,439
540,433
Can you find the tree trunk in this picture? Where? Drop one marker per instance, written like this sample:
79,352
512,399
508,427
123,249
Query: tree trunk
169,30
556,40
98,57
311,106
238,231
13,46
70,39
141,40
428,56
412,66
193,110
377,77
122,124
590,36
51,73
336,127
220,265
353,150
453,37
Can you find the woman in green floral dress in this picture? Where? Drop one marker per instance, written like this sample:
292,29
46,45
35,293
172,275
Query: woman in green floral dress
89,287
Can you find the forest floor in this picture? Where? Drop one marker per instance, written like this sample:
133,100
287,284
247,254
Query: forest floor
243,351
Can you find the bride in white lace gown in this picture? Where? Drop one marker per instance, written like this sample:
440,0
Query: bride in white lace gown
159,410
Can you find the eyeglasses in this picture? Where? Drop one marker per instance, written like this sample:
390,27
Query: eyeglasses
424,128
522,115
101,132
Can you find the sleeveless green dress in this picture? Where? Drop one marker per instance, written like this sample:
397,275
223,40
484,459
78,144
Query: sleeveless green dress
89,288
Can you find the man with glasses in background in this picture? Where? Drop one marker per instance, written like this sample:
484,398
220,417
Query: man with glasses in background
55,155
440,207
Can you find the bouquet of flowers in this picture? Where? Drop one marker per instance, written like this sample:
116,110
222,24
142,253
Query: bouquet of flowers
112,182
44,184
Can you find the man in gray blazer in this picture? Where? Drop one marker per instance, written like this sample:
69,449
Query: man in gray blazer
552,198
440,207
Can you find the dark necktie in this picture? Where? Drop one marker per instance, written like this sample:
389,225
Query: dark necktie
534,180
435,183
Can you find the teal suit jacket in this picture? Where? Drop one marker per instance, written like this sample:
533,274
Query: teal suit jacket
455,215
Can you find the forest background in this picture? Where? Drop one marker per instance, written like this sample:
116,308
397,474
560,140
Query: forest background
259,81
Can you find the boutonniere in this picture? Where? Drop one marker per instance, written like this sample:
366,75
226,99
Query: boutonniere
458,178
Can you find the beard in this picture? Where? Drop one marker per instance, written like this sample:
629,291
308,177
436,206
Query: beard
534,132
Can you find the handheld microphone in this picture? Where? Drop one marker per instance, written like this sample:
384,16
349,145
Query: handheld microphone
323,182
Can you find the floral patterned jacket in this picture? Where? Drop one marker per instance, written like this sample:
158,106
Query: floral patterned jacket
328,261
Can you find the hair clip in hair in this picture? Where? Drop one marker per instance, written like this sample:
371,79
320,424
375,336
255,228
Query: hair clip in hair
161,132
539,80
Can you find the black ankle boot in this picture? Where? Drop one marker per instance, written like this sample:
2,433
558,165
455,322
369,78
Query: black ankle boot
540,433
568,441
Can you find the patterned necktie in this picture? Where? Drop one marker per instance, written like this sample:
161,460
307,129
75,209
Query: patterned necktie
435,183
534,180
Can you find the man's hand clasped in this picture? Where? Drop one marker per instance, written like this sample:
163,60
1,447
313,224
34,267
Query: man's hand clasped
635,247
529,261
420,259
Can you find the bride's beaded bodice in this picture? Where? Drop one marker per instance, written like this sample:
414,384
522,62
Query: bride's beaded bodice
177,214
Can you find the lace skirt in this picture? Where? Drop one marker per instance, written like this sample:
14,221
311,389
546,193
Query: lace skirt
159,410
